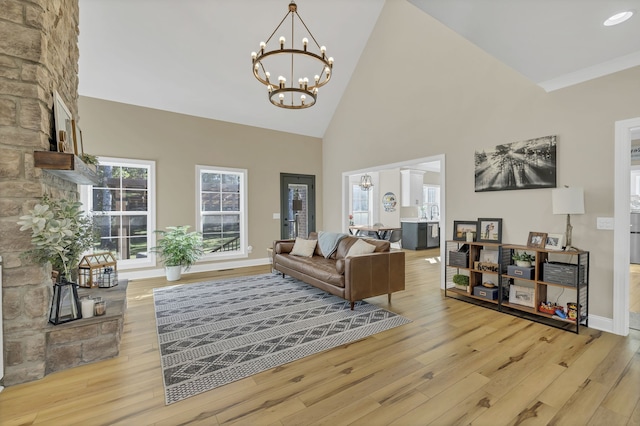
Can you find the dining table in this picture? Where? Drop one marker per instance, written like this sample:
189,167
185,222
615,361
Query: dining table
380,232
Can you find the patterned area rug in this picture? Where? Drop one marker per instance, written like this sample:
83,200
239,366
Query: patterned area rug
217,332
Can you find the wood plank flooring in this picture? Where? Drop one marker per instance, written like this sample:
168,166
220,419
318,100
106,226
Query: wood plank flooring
455,364
634,288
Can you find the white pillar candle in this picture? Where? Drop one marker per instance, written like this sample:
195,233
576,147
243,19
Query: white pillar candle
87,308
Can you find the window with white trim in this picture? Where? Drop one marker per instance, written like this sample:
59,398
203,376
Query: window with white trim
361,205
431,201
222,217
123,208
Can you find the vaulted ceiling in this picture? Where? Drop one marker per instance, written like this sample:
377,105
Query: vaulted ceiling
193,56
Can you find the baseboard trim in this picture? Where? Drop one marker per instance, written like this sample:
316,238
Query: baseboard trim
206,267
601,323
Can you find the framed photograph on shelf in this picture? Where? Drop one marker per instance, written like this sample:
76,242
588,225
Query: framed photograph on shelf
537,239
462,227
489,230
554,242
521,295
63,125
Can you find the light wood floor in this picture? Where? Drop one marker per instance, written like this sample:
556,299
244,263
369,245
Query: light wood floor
456,363
634,289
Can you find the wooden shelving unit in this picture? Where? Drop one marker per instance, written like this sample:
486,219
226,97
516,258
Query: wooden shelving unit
574,290
66,166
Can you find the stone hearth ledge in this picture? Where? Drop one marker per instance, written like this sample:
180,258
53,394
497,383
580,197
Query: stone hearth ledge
88,340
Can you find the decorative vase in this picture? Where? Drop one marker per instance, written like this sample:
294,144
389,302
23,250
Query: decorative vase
523,263
461,287
173,272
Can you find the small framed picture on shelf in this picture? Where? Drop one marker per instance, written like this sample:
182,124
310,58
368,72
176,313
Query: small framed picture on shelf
554,242
489,230
63,124
463,227
537,240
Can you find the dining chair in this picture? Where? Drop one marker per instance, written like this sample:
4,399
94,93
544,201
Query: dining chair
395,236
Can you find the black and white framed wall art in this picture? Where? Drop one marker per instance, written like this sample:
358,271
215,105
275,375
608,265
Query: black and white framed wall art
529,164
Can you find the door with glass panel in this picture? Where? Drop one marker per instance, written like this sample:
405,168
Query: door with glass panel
297,205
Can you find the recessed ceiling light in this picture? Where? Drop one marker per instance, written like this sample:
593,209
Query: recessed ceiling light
618,18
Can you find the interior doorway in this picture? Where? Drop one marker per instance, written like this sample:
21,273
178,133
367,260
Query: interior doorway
634,270
624,133
297,205
380,191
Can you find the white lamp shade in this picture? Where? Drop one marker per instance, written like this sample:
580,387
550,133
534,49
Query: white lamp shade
568,200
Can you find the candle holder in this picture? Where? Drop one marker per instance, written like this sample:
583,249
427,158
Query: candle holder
100,306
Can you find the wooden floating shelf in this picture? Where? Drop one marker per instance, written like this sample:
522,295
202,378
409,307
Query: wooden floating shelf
66,166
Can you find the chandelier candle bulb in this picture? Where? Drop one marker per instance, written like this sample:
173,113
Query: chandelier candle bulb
305,41
282,40
254,55
262,46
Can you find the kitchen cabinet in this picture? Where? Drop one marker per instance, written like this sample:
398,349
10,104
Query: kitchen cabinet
411,186
420,235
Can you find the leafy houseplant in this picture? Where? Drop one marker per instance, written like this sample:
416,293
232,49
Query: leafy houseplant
522,258
60,232
178,249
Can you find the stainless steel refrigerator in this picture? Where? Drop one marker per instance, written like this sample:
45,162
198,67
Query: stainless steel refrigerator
635,237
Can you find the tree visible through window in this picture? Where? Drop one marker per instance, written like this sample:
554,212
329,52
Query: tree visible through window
221,195
122,208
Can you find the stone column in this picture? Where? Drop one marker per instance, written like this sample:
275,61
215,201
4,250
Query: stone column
38,54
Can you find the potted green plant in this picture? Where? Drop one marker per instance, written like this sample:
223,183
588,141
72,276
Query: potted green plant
178,249
461,281
60,232
523,258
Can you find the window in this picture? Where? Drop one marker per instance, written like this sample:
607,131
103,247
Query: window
221,195
361,205
123,208
431,203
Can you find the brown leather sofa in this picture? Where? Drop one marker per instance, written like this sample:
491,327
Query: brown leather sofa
350,277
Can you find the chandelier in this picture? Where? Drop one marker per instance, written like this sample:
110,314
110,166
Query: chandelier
282,57
366,183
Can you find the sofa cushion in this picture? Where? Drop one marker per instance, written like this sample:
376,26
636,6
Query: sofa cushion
361,247
316,266
328,242
346,243
303,248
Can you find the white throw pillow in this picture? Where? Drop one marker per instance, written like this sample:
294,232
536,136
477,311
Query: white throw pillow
361,247
303,248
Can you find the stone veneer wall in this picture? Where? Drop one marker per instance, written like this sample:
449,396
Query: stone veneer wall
38,54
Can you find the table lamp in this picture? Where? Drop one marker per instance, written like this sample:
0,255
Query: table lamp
568,201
